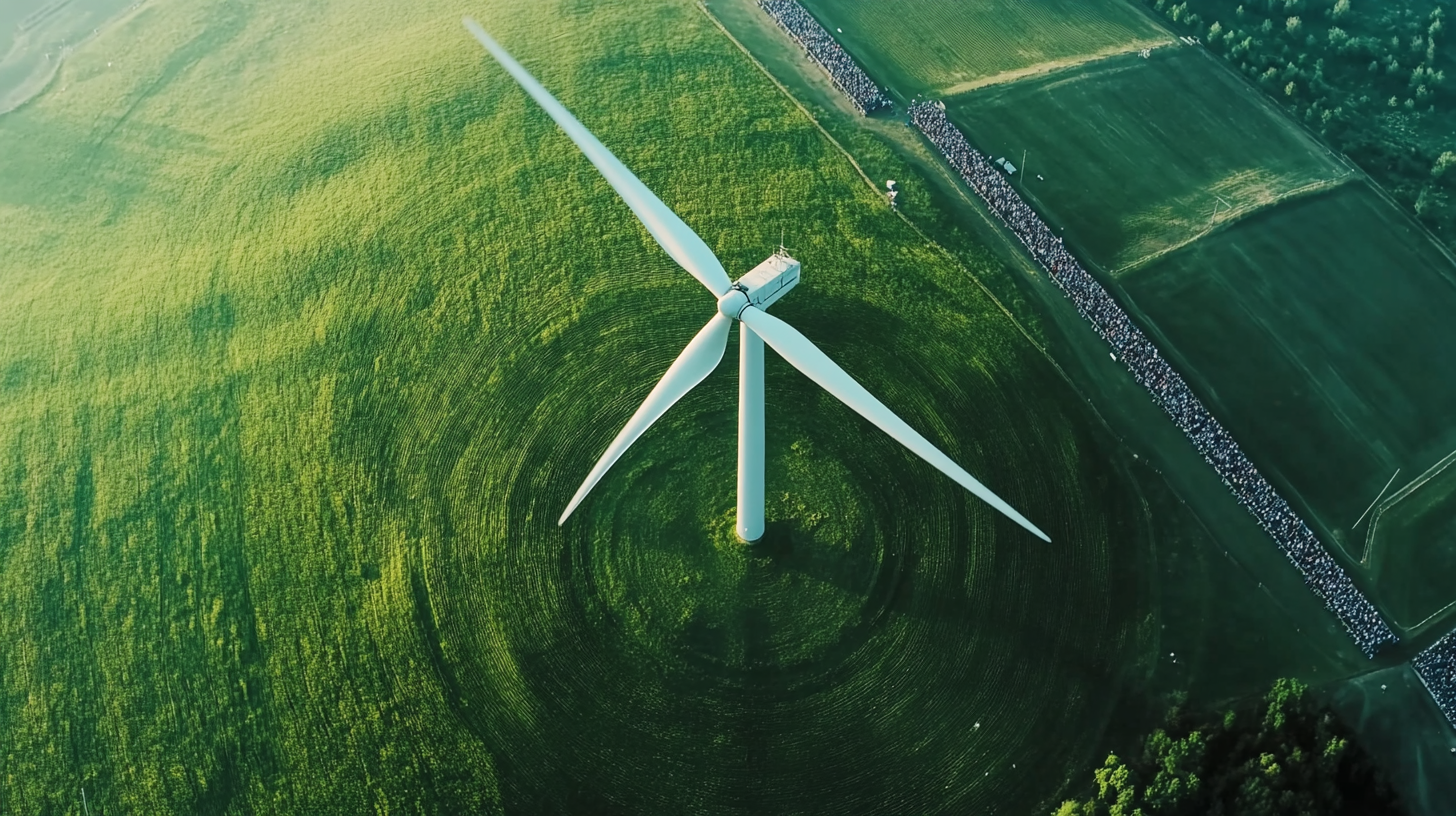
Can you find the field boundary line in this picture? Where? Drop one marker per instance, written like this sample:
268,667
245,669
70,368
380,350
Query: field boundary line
1425,230
28,97
1048,67
1395,498
1376,500
60,62
1419,628
1432,472
1355,168
702,6
1236,216
935,245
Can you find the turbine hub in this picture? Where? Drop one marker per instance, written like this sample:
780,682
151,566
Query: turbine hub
733,302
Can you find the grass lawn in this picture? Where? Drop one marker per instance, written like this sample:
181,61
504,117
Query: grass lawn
1136,154
937,47
1319,330
310,324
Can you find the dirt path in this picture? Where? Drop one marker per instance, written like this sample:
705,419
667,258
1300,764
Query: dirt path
1234,217
1050,66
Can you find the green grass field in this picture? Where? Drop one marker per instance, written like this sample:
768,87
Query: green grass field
1318,330
312,322
1412,546
1231,614
1397,718
1137,153
936,47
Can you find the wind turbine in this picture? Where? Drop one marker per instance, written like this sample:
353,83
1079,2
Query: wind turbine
744,301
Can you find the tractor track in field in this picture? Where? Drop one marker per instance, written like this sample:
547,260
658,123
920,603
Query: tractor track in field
1236,216
1049,67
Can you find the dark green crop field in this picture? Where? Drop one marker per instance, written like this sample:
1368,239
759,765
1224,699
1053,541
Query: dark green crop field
1412,545
937,47
1131,156
310,324
1320,330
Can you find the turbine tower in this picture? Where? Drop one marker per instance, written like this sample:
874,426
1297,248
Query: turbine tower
745,302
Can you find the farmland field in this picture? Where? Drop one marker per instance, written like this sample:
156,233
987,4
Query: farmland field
1319,330
936,47
33,34
310,323
1137,153
1412,543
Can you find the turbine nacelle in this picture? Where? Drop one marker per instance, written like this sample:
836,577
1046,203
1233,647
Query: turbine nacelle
761,287
770,280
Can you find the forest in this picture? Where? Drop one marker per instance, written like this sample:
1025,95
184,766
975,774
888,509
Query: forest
1369,77
1284,754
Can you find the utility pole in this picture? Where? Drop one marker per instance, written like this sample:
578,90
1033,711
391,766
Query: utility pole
1023,168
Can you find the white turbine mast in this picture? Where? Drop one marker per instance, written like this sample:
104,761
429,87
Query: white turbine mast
744,301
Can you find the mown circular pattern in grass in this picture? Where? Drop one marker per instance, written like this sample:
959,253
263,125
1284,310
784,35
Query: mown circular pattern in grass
890,629
285,458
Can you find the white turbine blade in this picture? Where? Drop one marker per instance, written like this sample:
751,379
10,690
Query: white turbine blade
695,363
671,233
816,365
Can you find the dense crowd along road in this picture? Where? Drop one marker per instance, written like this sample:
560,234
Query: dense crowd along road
1436,667
849,77
1320,570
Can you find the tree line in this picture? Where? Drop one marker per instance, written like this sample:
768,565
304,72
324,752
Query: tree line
1282,755
1376,80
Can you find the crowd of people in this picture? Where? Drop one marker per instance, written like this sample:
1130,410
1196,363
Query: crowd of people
1436,667
1321,572
805,30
